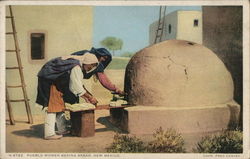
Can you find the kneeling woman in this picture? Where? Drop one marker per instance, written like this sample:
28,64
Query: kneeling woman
60,81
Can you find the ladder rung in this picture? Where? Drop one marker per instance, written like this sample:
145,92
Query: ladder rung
15,86
9,17
8,33
19,100
158,31
14,67
12,50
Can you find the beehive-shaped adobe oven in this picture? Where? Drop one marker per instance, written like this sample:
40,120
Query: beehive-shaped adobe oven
177,74
178,84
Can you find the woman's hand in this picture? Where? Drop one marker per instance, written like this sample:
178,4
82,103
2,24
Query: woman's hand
89,98
86,99
93,101
120,92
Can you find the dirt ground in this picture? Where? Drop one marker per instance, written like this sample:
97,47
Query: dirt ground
23,137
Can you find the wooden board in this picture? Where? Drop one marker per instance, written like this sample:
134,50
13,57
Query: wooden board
100,107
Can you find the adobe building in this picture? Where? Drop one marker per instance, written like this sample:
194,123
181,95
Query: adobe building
44,32
222,33
181,25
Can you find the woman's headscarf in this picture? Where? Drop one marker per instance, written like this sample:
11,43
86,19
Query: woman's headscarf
86,58
102,52
98,52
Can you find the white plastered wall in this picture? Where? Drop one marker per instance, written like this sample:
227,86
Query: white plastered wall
186,29
67,29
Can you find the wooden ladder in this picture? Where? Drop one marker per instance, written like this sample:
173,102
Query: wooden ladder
20,69
161,21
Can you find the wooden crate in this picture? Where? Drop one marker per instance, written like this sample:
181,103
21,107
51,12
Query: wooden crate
83,123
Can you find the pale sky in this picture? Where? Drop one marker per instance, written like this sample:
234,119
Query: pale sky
129,23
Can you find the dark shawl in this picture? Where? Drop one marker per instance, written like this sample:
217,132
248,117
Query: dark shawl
57,72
